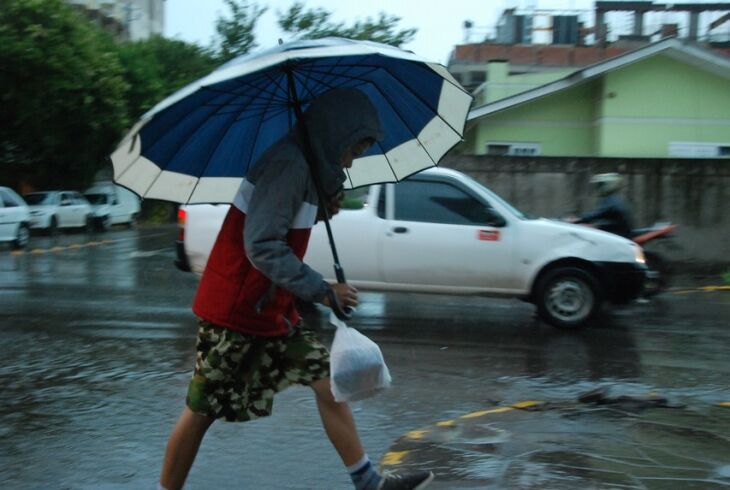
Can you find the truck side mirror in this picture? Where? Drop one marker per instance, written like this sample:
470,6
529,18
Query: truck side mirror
493,218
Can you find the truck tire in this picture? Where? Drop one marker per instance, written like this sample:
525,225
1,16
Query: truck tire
132,223
104,223
568,297
52,229
22,237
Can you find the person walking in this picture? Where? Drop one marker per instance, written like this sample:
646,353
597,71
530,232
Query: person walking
251,340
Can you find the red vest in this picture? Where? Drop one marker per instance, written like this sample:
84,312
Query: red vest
235,295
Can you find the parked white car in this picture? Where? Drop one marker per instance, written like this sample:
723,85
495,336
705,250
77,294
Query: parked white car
14,219
52,210
112,205
440,231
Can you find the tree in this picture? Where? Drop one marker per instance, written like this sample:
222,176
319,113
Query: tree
315,23
237,33
156,67
61,92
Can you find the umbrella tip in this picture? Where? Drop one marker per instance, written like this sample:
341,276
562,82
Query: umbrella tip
281,41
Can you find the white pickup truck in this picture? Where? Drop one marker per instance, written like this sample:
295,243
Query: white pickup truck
440,231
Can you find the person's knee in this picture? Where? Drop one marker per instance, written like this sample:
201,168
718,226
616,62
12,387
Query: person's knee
195,421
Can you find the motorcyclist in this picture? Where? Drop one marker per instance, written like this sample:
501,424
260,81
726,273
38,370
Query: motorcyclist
612,212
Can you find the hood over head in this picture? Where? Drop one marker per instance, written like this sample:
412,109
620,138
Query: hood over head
335,121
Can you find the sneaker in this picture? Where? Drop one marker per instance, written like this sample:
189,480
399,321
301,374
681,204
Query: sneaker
413,480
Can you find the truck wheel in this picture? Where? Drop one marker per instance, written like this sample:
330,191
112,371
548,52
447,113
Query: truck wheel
104,223
567,297
53,226
22,238
88,224
132,222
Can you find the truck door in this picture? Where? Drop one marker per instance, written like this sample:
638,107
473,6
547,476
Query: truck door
442,234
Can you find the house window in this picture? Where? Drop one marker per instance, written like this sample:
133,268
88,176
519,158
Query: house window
517,149
478,76
690,149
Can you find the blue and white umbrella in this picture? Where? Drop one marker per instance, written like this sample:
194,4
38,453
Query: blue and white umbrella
198,144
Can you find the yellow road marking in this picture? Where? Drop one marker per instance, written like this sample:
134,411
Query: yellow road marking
76,245
393,457
446,423
38,251
485,412
527,404
57,249
17,252
725,404
704,289
417,434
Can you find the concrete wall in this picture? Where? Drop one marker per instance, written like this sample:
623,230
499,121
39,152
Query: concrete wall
691,193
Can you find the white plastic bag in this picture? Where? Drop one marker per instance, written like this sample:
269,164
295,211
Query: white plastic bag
357,367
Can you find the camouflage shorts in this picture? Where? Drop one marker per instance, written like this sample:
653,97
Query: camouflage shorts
237,375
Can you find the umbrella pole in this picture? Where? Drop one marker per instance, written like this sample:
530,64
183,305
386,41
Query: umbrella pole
308,155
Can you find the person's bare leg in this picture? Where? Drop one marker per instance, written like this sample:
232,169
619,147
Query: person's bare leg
182,446
338,423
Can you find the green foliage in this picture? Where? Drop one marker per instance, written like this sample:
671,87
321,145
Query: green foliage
61,92
237,32
156,67
315,23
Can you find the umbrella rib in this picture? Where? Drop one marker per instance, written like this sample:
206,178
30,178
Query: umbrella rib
298,76
248,85
258,131
406,124
420,66
312,69
209,158
274,92
184,141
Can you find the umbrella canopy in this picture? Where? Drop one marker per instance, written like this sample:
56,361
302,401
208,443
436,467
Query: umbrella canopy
198,144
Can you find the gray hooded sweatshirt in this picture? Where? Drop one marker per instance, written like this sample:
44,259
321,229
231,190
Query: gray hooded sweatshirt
278,196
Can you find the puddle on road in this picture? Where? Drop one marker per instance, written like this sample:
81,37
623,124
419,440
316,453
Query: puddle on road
568,446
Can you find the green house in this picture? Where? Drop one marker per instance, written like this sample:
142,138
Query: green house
667,99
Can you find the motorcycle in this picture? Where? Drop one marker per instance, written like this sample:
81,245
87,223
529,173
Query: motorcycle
657,276
658,270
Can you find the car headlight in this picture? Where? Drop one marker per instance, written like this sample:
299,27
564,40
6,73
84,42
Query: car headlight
639,255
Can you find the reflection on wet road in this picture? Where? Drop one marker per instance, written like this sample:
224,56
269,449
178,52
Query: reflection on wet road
99,343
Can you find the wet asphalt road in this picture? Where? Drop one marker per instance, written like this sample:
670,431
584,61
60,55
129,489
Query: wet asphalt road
98,344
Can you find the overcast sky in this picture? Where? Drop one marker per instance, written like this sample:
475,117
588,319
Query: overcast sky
439,23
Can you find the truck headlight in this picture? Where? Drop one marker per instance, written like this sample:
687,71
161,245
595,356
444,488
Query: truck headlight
639,255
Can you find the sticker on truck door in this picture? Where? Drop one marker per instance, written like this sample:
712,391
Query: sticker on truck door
488,235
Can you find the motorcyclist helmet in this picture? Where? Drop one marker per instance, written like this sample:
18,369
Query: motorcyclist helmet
606,184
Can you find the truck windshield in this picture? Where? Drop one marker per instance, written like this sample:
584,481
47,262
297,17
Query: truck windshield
96,198
510,208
